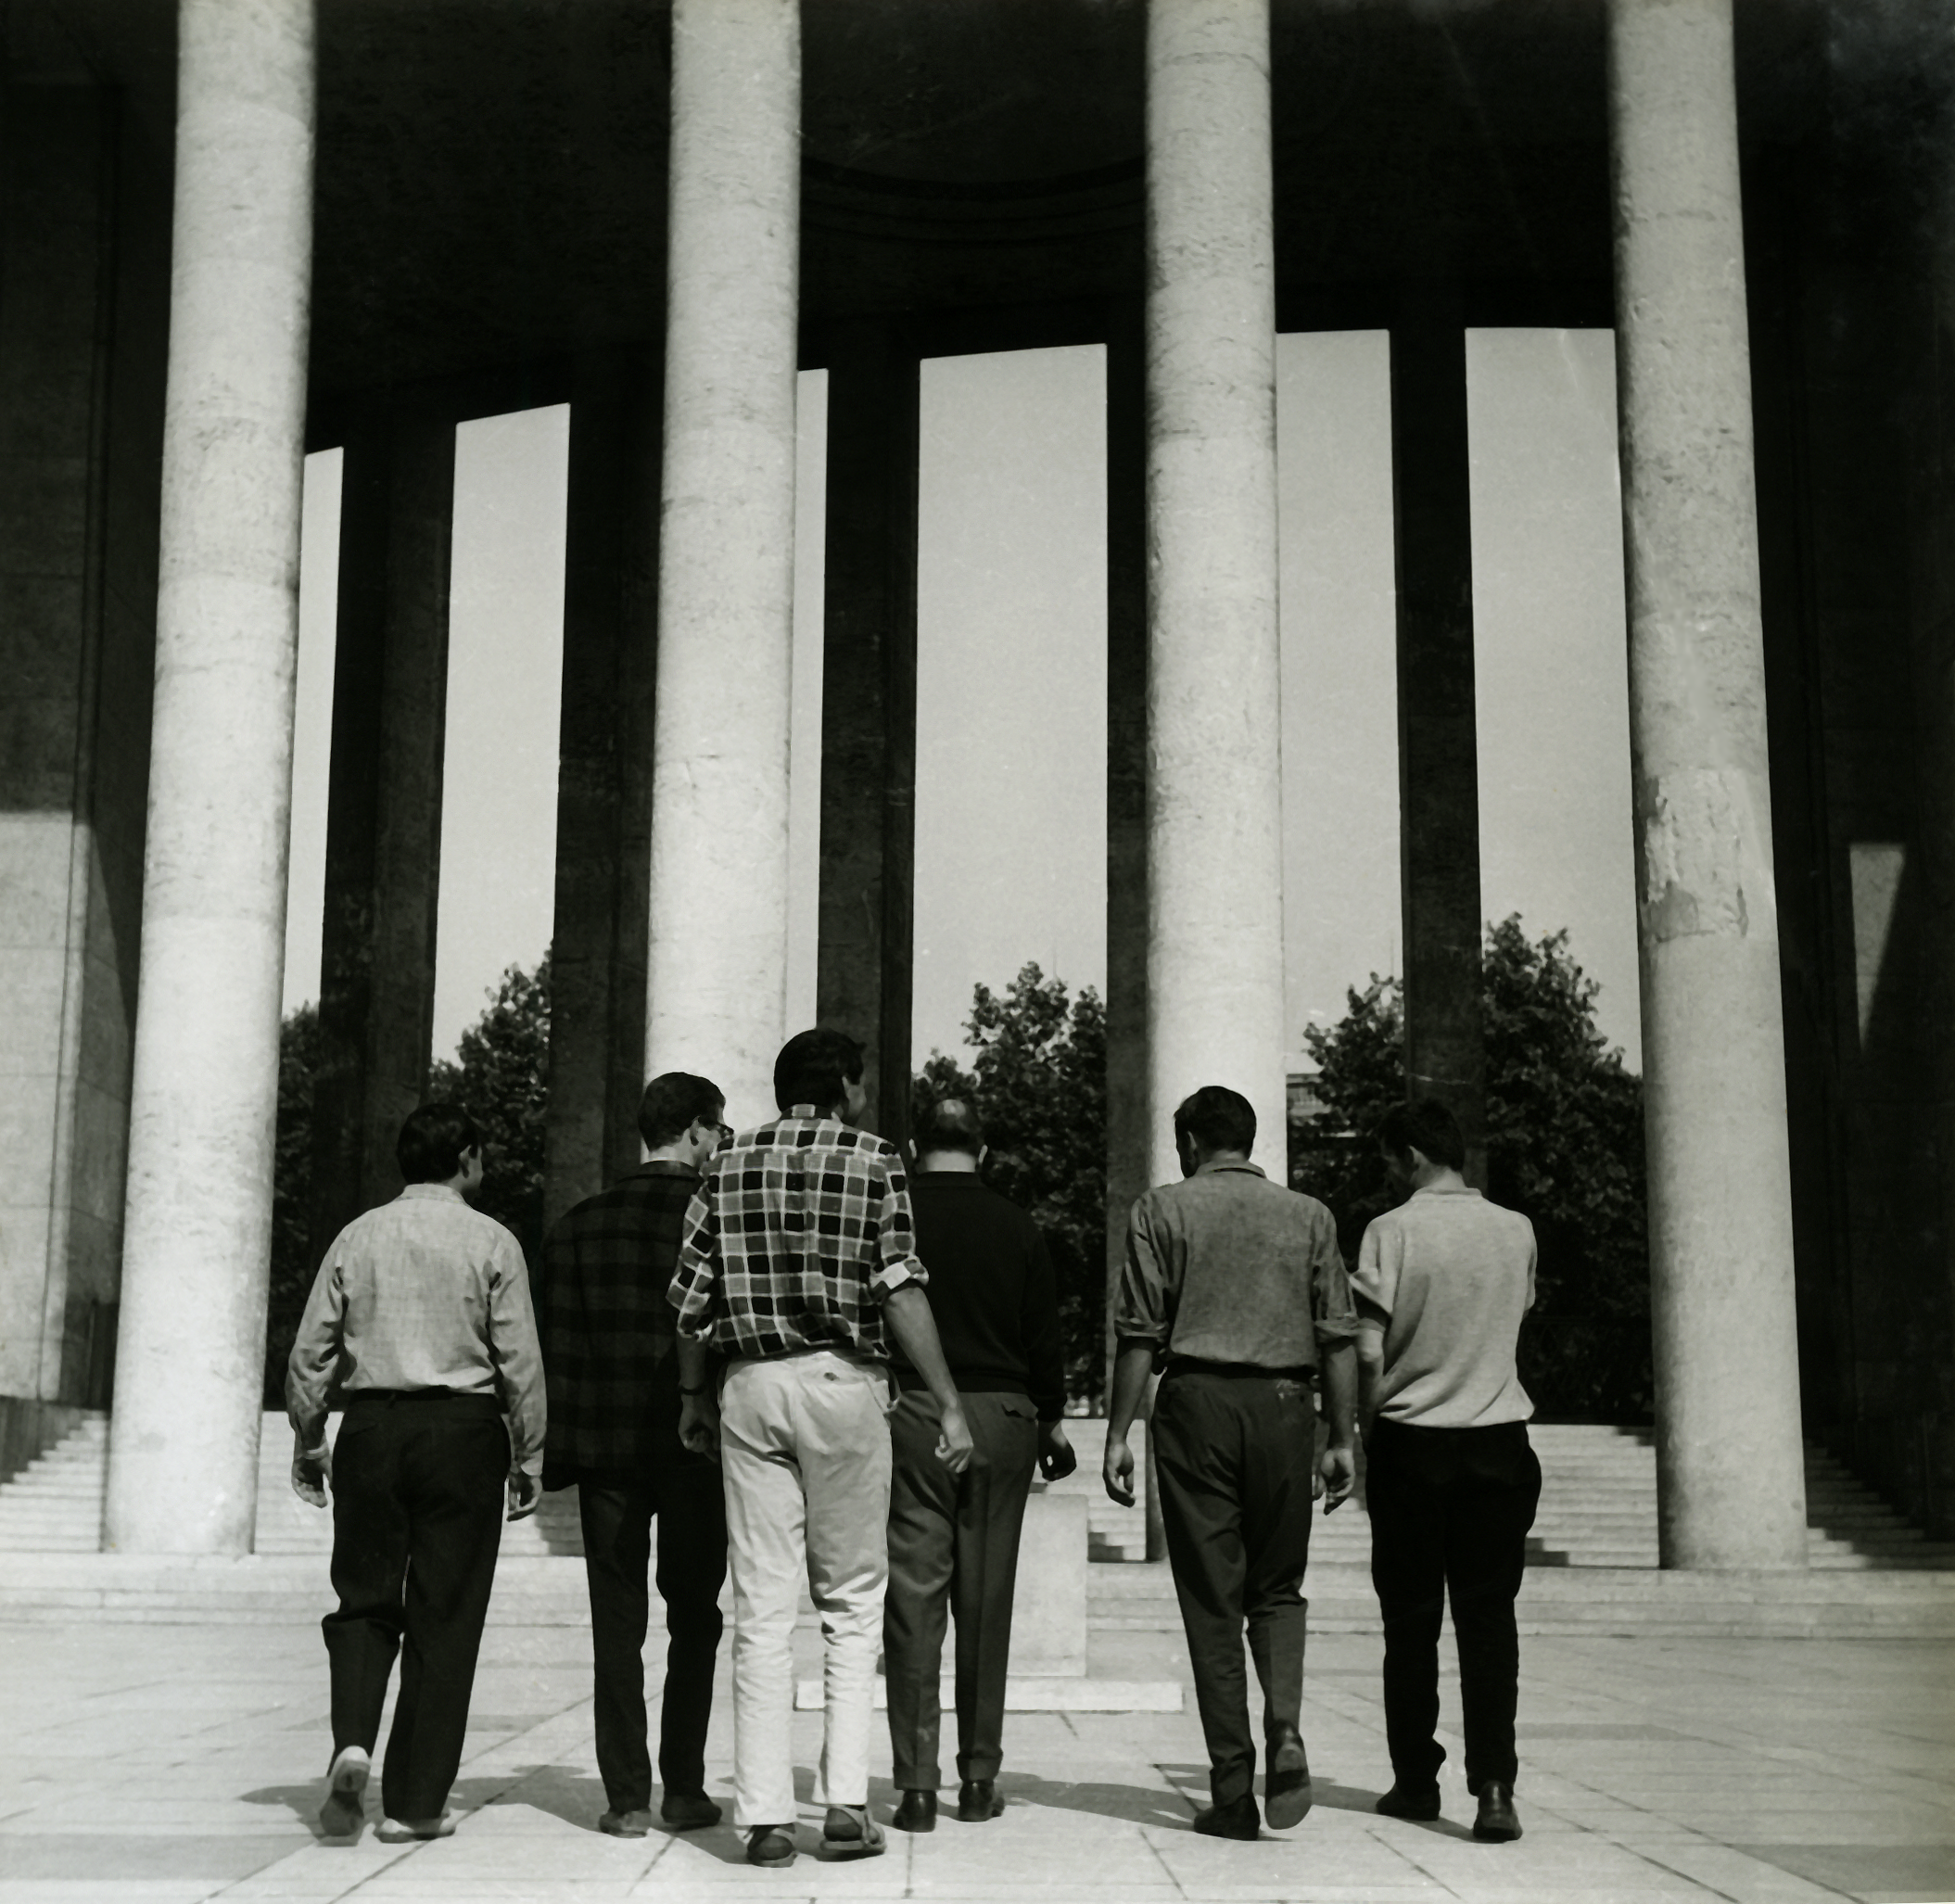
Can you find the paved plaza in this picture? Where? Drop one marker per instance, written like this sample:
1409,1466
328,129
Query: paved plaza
166,1764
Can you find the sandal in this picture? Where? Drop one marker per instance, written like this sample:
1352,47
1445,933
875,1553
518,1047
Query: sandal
863,1838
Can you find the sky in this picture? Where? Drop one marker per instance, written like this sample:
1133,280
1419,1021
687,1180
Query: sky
1011,678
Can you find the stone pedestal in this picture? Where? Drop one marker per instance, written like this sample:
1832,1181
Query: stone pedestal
1730,1466
1214,808
183,1444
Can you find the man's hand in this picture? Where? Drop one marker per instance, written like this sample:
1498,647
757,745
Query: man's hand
1117,1471
1056,1458
954,1442
524,1494
312,1469
699,1423
1336,1475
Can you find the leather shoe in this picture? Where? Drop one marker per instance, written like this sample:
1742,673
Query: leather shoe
1401,1803
1498,1822
916,1812
633,1823
770,1845
1238,1818
688,1811
1286,1789
977,1800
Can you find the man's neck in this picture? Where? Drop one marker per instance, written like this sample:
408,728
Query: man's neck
672,1153
1437,1177
942,1163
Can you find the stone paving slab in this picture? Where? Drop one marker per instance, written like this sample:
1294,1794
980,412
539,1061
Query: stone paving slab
146,1765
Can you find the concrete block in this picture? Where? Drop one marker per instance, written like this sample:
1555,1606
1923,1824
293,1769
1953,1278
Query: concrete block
1048,1621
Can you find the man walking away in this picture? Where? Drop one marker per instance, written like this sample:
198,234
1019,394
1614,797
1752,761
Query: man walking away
1451,1483
1237,1283
953,1538
799,1264
420,1317
608,1350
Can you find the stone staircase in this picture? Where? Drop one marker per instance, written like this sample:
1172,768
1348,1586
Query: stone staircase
1593,1554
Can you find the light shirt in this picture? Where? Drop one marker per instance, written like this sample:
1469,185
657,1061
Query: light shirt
1452,1275
422,1293
798,1234
1227,1267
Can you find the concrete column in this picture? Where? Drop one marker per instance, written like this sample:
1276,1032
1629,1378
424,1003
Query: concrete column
1439,780
377,981
869,709
1729,1464
718,954
1214,811
597,1012
182,1469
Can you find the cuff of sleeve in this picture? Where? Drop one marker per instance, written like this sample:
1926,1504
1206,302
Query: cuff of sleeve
1336,1332
1141,1335
886,1282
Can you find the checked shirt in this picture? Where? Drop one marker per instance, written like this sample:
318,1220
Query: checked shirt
604,1321
797,1234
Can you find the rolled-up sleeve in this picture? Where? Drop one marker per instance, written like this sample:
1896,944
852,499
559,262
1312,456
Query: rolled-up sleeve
518,1356
698,1272
314,1360
1333,1314
898,1263
1375,1284
1143,1312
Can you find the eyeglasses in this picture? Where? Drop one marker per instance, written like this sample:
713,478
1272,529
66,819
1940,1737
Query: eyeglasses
726,1132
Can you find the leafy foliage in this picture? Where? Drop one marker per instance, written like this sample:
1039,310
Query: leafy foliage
291,1194
501,1077
1040,1073
1563,1137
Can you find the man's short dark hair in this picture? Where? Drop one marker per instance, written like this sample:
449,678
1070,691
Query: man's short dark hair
1218,1118
432,1141
1425,1125
817,1068
673,1103
949,1122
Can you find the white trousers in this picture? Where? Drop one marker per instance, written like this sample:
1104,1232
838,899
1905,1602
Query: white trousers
804,1444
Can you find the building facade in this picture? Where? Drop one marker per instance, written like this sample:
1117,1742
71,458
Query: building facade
234,230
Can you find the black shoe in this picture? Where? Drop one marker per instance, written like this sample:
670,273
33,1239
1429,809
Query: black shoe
977,1800
770,1845
1285,1790
1498,1822
1238,1818
688,1811
1399,1802
917,1813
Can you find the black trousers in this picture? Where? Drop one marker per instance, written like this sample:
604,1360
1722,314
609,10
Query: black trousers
1236,1455
1450,1513
685,1492
417,1517
953,1547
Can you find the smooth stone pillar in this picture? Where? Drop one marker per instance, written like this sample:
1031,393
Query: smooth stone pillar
1215,808
716,962
1438,765
1048,1603
182,1467
1730,1486
869,709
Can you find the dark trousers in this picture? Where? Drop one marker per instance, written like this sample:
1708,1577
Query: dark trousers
1236,1455
685,1492
953,1546
417,1517
1450,1513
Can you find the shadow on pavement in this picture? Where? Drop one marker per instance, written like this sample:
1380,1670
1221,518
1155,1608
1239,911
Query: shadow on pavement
1135,1804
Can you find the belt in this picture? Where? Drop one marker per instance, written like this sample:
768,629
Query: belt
357,1397
1193,1365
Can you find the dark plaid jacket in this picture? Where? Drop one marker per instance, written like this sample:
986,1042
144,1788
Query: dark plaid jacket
607,1326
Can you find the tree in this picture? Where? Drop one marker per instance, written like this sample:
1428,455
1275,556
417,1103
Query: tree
1040,1075
1564,1136
291,1195
501,1076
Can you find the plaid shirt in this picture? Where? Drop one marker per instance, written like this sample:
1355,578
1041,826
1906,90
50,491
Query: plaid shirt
604,1321
799,1233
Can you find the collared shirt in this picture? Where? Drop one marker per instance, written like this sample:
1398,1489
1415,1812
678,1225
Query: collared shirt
605,1322
1452,1275
799,1233
1227,1267
992,1294
422,1293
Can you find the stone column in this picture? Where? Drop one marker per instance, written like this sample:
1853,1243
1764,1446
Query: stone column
869,709
383,871
1214,810
1729,1463
717,955
183,1470
1439,779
